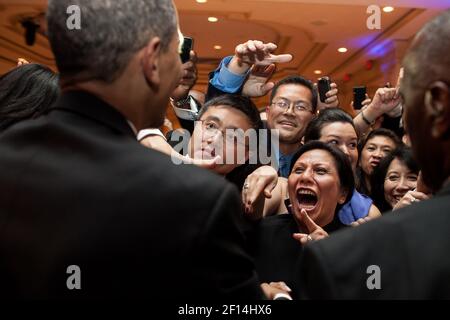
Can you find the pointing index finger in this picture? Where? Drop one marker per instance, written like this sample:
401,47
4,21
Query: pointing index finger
309,223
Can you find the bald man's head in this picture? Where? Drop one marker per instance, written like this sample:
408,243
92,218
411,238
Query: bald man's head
428,58
426,99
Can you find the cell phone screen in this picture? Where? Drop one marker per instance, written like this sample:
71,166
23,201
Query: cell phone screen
188,45
359,95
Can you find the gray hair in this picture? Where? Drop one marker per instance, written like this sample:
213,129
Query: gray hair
111,32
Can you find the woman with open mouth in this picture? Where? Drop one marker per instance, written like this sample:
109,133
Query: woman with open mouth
395,181
320,182
334,127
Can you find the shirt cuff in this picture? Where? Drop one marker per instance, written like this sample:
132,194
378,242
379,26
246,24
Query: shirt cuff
149,132
225,80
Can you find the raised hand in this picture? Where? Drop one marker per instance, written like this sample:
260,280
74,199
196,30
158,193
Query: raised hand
364,104
385,100
259,53
257,84
315,232
254,52
409,198
332,100
188,78
258,186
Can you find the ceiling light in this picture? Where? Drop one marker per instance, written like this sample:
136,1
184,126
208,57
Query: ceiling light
388,9
342,50
212,19
217,47
202,1
317,71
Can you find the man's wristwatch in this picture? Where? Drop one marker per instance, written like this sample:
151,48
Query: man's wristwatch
183,103
186,109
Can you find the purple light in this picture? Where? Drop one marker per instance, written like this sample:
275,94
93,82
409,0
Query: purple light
381,49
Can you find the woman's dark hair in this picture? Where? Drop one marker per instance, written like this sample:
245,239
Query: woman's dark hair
404,155
325,117
238,175
26,92
360,181
341,161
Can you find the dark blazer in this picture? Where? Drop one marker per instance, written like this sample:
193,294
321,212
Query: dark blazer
410,246
76,188
276,253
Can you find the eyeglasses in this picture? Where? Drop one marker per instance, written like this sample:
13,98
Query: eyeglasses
212,129
299,106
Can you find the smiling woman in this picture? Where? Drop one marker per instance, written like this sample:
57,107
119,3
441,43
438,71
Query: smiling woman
395,180
321,181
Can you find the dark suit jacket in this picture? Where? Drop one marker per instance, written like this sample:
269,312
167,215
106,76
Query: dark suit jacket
275,251
411,246
76,188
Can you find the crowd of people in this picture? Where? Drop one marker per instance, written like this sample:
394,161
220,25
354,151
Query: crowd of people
88,179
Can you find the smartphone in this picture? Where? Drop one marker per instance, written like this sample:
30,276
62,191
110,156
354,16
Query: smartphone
359,95
188,45
323,85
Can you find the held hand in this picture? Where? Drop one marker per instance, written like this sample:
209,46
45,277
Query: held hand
364,104
258,186
315,232
188,79
360,221
257,84
332,100
409,198
273,289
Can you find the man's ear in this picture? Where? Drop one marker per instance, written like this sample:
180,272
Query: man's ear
437,103
151,62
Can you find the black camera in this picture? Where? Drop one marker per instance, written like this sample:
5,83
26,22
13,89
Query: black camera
31,28
188,45
323,85
359,95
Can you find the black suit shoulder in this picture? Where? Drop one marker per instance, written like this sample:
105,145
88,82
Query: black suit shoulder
275,251
81,190
409,246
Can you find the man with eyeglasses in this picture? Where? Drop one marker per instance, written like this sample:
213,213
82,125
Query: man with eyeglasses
293,102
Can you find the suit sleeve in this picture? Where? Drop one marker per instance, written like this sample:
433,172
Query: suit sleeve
222,261
315,277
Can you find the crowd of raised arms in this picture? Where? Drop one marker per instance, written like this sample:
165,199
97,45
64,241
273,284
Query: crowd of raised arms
87,177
